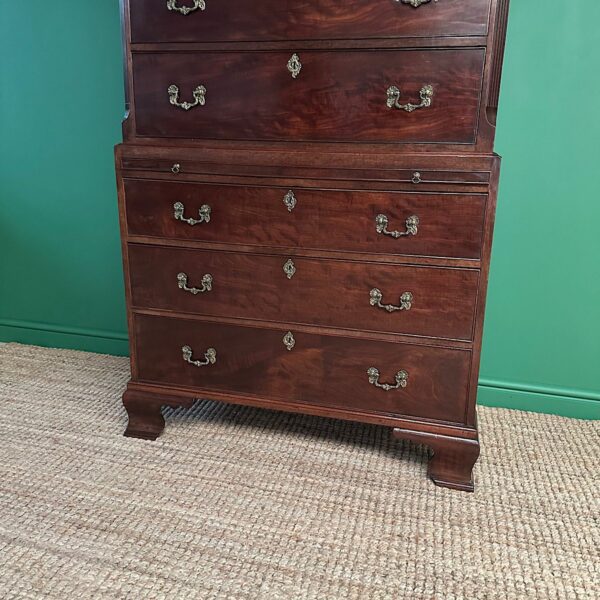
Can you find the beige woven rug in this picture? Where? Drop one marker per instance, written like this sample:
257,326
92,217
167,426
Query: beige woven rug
251,504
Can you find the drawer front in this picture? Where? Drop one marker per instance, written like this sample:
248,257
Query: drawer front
272,20
336,96
450,225
323,370
427,301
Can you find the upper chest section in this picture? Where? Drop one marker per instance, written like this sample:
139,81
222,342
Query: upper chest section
276,20
418,73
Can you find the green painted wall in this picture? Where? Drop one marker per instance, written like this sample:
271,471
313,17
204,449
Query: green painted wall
61,102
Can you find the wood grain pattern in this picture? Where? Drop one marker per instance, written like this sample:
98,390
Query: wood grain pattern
450,225
338,96
319,370
321,292
328,137
248,20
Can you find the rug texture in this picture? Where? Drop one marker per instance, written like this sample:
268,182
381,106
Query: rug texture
251,504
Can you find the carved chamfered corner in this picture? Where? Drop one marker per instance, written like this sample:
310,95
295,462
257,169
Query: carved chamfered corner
127,121
453,458
497,59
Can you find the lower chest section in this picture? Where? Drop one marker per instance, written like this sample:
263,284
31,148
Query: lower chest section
356,290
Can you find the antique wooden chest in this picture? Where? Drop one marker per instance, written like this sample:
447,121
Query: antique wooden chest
307,193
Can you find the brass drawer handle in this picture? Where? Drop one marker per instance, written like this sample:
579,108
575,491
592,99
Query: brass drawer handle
199,97
210,357
405,301
401,380
204,214
207,281
186,10
294,65
393,99
412,226
290,200
415,3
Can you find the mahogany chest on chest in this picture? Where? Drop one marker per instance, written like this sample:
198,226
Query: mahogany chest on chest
307,193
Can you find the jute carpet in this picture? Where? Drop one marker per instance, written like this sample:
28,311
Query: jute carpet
240,503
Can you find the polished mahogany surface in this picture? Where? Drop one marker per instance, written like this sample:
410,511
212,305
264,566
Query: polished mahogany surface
332,293
267,20
319,369
307,192
449,224
337,96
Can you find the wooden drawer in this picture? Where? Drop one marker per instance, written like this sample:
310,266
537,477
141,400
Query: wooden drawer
272,20
436,302
337,96
450,225
323,370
